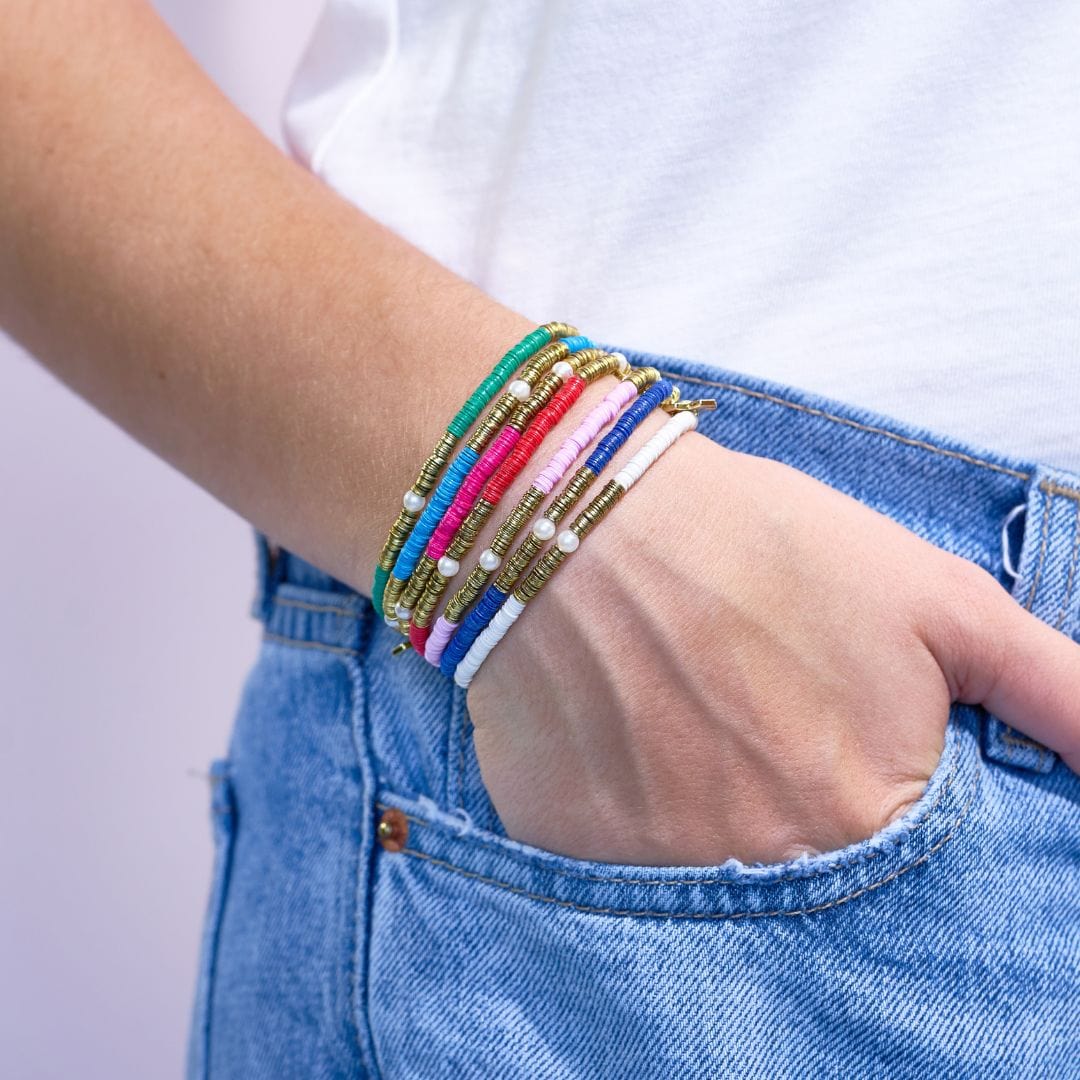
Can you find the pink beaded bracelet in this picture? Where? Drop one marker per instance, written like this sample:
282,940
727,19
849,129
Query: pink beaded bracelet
603,414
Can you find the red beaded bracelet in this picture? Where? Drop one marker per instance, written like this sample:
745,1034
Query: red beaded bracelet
447,561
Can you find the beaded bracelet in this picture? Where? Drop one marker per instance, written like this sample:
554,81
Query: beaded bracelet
684,420
459,489
545,527
655,391
461,543
631,385
535,374
537,351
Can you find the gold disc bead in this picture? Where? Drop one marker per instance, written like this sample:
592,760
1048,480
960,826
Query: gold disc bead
417,582
449,564
390,597
642,377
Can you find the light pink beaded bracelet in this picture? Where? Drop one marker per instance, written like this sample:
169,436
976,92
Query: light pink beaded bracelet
583,436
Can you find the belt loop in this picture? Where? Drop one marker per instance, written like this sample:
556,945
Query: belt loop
268,576
1048,585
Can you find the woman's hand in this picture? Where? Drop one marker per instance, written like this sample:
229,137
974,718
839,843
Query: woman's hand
742,661
739,662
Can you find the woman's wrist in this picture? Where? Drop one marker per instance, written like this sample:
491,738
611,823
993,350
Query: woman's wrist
227,308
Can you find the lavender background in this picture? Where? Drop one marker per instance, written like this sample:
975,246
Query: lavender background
124,640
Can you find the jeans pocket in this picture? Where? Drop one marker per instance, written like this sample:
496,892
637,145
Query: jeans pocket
499,943
223,820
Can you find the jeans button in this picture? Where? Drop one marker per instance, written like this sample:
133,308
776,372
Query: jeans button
393,829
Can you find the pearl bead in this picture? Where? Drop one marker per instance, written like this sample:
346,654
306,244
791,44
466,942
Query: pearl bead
448,567
568,541
489,560
390,621
563,369
624,364
520,389
404,613
412,502
544,528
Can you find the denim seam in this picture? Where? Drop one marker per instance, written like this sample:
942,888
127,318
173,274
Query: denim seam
351,712
907,440
338,652
662,883
358,678
630,912
353,976
1012,740
298,643
1052,487
322,609
224,818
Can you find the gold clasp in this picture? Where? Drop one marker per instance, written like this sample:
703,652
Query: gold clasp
398,649
674,405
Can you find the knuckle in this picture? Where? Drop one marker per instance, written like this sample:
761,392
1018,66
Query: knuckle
972,595
970,580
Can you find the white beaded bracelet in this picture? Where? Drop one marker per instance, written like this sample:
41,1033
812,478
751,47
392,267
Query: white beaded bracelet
683,420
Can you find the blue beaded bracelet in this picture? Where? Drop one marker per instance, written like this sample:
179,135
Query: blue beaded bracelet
448,487
544,529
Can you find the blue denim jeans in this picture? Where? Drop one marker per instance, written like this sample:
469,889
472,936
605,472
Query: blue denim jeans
946,945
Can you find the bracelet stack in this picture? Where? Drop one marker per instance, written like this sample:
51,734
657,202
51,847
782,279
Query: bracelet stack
416,497
632,384
450,501
545,528
595,365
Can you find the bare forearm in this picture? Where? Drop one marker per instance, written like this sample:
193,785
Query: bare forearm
220,303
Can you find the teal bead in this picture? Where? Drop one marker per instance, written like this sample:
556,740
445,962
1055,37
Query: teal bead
378,587
469,412
509,364
536,339
459,425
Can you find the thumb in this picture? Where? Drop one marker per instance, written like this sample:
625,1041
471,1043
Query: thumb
995,653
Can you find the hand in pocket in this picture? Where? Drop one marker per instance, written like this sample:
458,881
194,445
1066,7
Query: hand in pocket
742,661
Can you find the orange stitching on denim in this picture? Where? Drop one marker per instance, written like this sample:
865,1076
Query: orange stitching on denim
1052,487
654,883
1072,573
296,643
920,444
1011,739
325,609
708,914
1019,740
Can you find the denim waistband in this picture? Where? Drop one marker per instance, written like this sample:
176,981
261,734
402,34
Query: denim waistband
1018,520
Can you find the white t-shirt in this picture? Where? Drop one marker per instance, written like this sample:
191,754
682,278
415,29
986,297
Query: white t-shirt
878,202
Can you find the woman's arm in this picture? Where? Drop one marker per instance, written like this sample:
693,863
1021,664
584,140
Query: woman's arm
212,297
298,360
